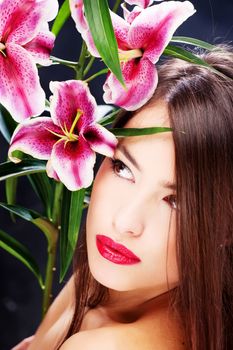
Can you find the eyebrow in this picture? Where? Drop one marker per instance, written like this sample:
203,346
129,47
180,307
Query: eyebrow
128,155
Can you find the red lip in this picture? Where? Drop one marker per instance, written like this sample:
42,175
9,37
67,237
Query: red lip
115,252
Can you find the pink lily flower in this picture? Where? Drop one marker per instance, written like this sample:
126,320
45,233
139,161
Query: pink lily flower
25,40
142,38
141,42
69,139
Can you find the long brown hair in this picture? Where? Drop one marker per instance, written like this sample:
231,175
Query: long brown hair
200,105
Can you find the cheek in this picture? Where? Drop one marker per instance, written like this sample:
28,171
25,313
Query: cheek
99,208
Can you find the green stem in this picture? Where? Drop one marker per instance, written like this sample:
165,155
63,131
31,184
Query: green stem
103,71
117,4
89,65
81,62
56,213
64,62
50,269
51,233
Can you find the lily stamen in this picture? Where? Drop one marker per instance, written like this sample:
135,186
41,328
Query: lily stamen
78,115
129,54
2,49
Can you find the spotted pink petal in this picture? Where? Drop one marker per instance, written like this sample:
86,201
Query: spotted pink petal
141,79
77,13
73,163
21,20
20,90
40,47
32,137
141,3
121,30
69,97
130,16
101,140
154,27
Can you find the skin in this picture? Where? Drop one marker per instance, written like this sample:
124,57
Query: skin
137,213
130,206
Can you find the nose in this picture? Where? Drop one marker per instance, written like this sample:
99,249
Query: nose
129,219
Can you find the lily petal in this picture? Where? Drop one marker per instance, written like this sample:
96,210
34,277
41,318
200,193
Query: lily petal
32,137
154,27
50,171
20,90
69,97
77,13
130,16
41,46
121,30
141,3
141,79
21,20
101,140
73,163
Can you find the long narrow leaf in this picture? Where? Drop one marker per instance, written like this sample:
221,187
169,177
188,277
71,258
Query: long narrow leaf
19,251
62,17
44,190
138,131
100,24
109,118
24,213
192,41
72,207
7,124
188,56
9,169
47,227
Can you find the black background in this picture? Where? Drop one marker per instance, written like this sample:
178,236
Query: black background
20,295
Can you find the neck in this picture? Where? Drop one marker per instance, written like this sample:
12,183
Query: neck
129,306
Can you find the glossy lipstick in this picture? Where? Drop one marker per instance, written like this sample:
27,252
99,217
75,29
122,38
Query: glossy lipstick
115,252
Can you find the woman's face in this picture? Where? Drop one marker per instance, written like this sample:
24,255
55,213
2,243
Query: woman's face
132,205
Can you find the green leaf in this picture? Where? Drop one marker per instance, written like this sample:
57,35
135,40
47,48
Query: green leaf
192,41
188,56
7,124
62,17
138,131
19,251
109,118
100,24
43,187
72,207
25,167
11,189
47,227
24,213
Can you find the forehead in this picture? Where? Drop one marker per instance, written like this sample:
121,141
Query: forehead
154,153
153,115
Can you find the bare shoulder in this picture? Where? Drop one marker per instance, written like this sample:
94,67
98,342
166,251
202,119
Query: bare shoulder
106,338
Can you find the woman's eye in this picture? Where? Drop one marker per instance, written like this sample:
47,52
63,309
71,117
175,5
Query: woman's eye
171,200
120,169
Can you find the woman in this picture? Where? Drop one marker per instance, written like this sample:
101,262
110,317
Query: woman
154,269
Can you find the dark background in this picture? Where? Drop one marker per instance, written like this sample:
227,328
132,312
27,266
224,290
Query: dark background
20,295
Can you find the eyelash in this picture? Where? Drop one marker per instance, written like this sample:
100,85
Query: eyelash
117,162
170,200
